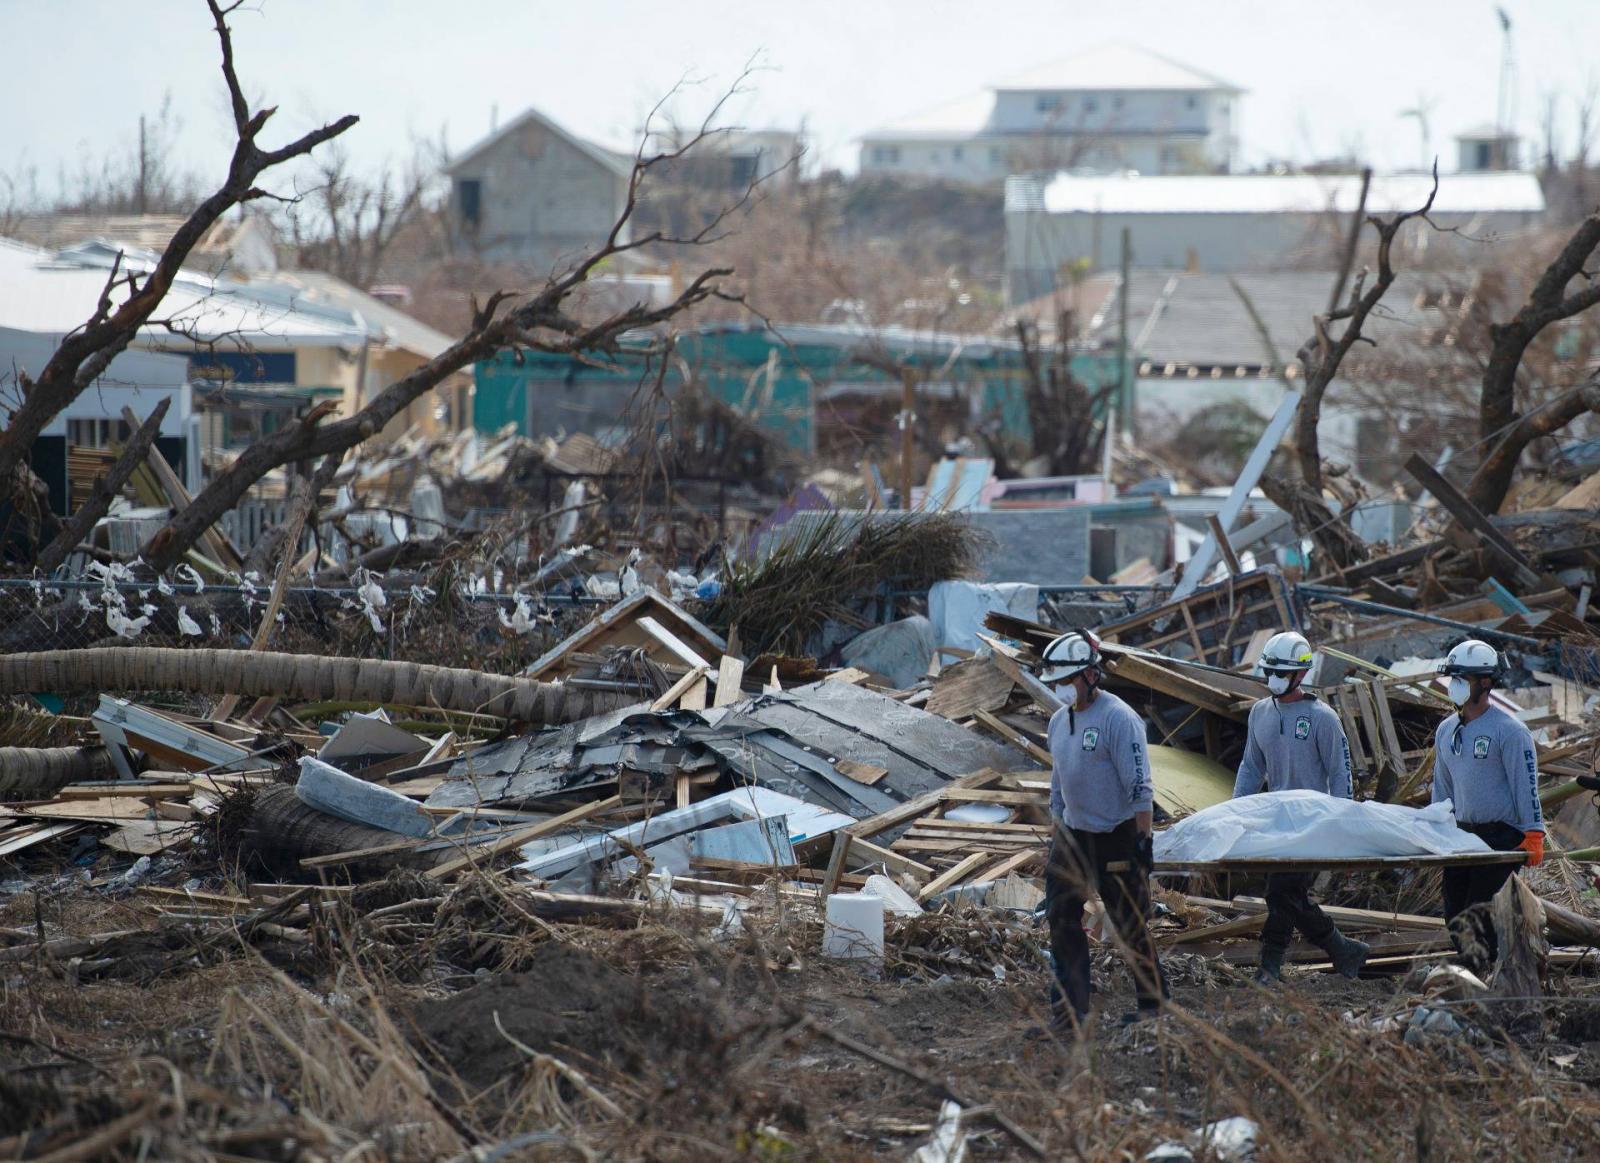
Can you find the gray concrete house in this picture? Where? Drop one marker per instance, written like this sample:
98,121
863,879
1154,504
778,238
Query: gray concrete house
535,194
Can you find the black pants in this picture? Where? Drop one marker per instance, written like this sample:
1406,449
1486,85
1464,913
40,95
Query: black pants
1290,907
1474,885
1077,869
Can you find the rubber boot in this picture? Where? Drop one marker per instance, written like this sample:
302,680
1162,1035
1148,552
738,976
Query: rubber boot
1270,971
1348,955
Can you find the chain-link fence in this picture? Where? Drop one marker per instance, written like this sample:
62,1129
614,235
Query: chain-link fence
372,618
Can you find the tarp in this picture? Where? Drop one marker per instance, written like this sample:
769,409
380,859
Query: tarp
957,609
1308,825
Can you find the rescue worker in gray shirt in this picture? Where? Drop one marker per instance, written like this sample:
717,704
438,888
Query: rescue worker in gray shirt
1485,764
1296,743
1101,805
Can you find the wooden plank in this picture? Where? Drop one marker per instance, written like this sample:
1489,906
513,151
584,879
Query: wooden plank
477,855
1238,927
1132,668
836,859
1010,661
214,539
1011,735
730,673
1471,518
674,645
148,837
1229,557
954,875
1014,863
670,696
107,810
1347,916
1021,799
682,787
695,697
149,791
869,853
860,772
18,839
952,847
852,675
934,826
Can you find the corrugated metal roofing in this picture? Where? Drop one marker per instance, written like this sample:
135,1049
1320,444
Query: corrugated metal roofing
53,294
1274,194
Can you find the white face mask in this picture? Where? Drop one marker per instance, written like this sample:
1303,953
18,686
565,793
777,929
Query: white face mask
1459,690
1278,684
1067,692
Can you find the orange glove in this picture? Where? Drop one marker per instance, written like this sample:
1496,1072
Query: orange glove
1533,845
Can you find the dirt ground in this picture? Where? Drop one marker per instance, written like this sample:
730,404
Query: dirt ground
659,1042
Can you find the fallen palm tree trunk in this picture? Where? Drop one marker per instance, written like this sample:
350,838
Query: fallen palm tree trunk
37,773
298,676
283,831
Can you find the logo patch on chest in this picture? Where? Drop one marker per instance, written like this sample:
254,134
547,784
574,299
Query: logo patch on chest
1091,738
1480,747
1302,728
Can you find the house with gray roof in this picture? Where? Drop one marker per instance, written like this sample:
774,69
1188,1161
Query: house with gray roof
535,194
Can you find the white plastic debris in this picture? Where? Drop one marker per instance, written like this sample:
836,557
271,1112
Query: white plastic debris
1228,1140
1313,826
124,626
187,625
949,1142
1453,983
854,926
895,899
194,577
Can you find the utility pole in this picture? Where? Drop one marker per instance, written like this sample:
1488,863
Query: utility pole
141,195
908,400
1124,356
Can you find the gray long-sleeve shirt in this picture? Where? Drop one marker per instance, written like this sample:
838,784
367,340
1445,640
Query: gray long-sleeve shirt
1298,746
1100,765
1489,768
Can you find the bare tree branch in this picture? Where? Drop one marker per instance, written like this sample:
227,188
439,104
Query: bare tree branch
1498,417
86,352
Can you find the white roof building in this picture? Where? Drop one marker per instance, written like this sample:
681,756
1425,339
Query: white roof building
1114,107
1244,222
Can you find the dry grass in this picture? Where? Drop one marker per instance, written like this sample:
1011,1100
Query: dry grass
657,1041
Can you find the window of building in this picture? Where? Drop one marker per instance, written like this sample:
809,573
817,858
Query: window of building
469,196
886,155
1191,102
97,432
955,153
1116,102
1091,104
1047,102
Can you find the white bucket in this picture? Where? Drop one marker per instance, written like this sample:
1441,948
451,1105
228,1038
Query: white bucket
854,926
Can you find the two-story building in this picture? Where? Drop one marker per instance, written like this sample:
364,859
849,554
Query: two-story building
1112,108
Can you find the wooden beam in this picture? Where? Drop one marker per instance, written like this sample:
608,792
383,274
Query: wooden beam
477,855
869,853
953,876
1011,735
671,696
729,675
1229,557
1471,518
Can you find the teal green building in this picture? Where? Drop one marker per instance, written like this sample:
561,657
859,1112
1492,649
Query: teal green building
796,380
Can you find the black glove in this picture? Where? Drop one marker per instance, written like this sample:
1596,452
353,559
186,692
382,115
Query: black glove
1146,853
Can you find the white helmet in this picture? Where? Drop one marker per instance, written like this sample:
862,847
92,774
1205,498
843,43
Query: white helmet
1066,656
1471,657
1285,653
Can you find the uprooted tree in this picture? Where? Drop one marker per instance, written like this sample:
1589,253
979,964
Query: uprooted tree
543,320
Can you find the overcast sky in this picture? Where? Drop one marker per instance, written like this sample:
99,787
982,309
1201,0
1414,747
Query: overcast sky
1323,78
